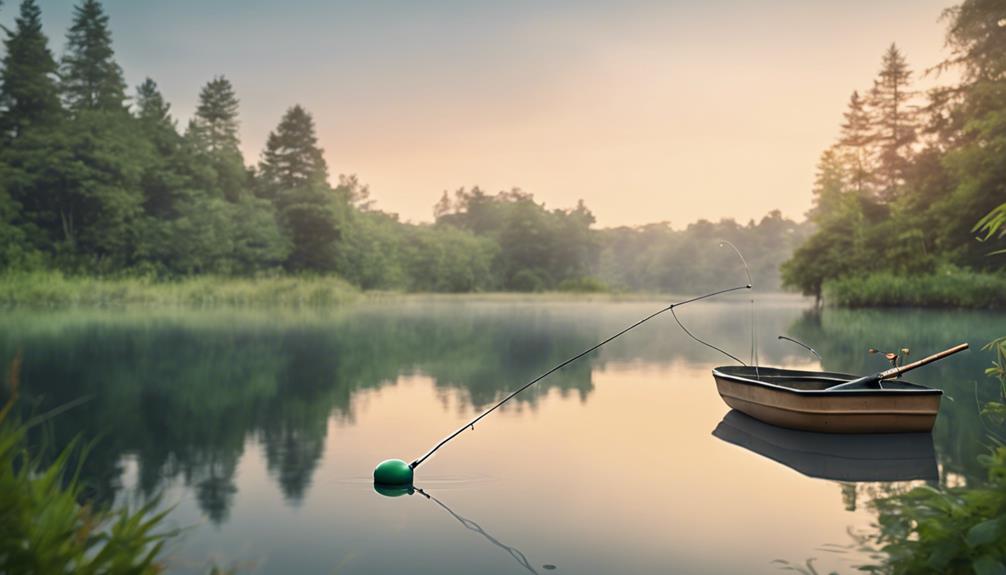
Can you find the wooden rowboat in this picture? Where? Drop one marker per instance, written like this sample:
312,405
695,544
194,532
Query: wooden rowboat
802,400
859,457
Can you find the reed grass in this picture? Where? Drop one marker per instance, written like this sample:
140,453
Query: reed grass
946,289
45,527
55,289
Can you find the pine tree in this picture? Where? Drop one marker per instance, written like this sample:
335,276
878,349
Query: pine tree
894,120
294,176
215,125
975,161
829,185
292,158
29,96
213,134
151,108
855,140
166,183
92,80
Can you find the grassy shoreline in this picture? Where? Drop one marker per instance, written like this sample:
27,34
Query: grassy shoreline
948,289
54,289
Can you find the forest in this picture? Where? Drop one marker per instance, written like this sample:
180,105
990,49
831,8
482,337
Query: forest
915,178
100,181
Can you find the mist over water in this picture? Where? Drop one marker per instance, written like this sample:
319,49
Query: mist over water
262,428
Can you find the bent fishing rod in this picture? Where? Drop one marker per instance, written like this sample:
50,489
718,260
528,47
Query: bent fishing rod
471,424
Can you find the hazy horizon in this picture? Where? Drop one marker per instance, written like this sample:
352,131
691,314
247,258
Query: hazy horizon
647,111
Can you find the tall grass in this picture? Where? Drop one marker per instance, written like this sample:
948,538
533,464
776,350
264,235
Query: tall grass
947,289
44,527
54,289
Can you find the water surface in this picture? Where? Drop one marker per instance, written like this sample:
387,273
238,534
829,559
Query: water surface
262,429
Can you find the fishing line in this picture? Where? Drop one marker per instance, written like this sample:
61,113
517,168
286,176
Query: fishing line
747,272
709,345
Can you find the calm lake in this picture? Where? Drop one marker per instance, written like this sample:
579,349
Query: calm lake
262,429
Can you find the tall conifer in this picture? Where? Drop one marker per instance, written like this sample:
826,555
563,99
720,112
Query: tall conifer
29,96
215,124
92,80
855,140
894,121
292,157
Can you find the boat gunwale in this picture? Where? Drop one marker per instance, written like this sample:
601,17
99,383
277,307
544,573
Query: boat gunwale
921,390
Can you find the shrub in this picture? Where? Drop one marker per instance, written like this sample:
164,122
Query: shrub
582,285
951,288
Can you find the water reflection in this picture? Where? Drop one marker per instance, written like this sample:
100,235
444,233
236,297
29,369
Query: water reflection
250,420
850,458
519,557
961,436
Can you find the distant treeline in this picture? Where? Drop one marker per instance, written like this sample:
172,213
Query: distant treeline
94,181
914,178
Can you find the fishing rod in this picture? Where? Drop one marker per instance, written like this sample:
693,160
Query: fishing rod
878,377
397,472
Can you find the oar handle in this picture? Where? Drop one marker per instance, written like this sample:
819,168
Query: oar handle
896,371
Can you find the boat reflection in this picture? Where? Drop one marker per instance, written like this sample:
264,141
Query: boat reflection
850,458
518,556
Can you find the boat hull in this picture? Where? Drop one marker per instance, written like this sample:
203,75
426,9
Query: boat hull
902,408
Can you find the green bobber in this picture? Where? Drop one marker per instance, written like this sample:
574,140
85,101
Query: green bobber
393,472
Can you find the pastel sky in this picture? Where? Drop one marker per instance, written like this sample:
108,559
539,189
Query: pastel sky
648,111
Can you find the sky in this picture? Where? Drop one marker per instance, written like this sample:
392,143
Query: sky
648,111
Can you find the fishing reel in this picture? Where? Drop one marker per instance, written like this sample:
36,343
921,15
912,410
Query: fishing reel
896,359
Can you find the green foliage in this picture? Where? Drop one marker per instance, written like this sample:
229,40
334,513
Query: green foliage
90,77
88,186
45,529
29,97
538,247
213,135
660,259
946,531
993,225
920,197
53,289
949,287
582,285
996,410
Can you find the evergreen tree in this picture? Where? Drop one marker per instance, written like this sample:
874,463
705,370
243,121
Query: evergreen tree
91,78
29,96
152,110
894,121
976,162
294,176
165,180
856,138
292,158
216,121
829,185
213,133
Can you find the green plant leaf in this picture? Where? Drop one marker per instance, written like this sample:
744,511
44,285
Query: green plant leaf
983,533
988,565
